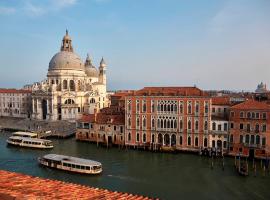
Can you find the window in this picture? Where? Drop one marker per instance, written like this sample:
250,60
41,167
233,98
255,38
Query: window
248,128
181,107
206,108
137,137
189,125
153,123
241,139
181,124
247,139
144,137
196,142
129,137
248,115
214,126
257,115
205,143
189,108
241,114
181,140
264,115
138,122
72,85
92,100
153,138
189,140
137,106
205,125
257,128
263,141
241,126
144,106
232,125
264,128
225,126
196,125
232,114
144,122
219,127
152,106
65,84
213,109
257,139
231,138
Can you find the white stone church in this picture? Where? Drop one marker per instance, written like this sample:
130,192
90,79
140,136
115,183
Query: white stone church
71,88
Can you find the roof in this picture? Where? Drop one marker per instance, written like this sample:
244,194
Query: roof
70,159
3,90
170,91
104,118
224,100
30,134
29,139
251,105
20,186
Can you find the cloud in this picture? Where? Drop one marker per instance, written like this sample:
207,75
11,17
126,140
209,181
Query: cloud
7,10
58,4
34,9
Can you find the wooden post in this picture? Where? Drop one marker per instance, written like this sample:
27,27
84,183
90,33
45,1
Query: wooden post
255,170
223,164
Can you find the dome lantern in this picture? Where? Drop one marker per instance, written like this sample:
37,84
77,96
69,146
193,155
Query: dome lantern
67,43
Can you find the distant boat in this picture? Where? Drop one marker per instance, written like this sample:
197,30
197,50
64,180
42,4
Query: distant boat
72,164
29,142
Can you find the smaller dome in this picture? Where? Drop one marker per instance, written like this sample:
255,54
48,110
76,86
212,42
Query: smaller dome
91,71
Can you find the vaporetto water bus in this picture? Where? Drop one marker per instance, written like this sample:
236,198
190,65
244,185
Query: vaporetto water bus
25,134
30,142
72,164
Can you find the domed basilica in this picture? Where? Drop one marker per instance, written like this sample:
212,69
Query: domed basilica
71,88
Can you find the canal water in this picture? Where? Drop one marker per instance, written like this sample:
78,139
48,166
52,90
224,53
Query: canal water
163,175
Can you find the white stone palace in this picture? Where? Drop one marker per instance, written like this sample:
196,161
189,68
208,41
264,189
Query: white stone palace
71,88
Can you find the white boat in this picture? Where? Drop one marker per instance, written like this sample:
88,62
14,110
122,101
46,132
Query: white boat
25,134
72,164
30,142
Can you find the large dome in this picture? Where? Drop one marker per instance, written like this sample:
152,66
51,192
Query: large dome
66,60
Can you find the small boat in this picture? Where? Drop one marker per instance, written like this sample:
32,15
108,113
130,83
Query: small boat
29,142
72,164
25,134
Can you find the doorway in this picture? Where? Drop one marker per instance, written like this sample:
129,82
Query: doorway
44,109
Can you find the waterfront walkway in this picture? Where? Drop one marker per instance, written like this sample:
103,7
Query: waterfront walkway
61,129
19,186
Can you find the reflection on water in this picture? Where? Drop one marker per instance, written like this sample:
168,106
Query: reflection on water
168,176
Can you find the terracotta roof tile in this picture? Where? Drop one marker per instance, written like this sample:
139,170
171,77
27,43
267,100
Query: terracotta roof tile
252,105
11,91
170,91
221,101
19,186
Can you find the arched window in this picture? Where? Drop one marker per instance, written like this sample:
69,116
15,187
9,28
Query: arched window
165,123
138,122
168,124
175,123
257,139
205,143
205,125
72,85
129,137
144,122
172,123
224,144
197,107
137,137
175,108
153,138
129,122
158,123
189,124
213,143
181,108
181,140
92,100
69,101
247,139
160,138
189,108
252,139
65,84
214,126
173,140
196,141
196,125
153,123
144,137
181,124
189,140
161,122
257,128
79,85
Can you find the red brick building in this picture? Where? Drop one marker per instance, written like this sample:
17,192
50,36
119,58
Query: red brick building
168,118
249,129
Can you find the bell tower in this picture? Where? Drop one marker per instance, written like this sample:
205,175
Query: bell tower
102,72
66,43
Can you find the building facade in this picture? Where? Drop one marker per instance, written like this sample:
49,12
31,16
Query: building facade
168,118
71,88
15,103
249,129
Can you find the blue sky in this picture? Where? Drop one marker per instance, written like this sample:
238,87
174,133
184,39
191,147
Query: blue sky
214,44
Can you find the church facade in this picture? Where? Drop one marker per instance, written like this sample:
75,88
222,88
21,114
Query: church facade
71,87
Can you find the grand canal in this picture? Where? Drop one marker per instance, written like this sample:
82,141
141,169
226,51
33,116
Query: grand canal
167,176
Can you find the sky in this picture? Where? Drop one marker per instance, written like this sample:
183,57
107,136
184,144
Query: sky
213,44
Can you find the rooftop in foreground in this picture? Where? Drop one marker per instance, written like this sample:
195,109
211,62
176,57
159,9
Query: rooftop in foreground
15,185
